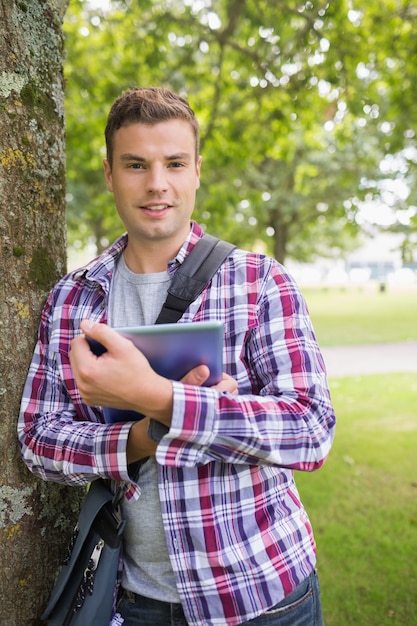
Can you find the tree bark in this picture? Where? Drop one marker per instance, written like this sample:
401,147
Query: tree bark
35,517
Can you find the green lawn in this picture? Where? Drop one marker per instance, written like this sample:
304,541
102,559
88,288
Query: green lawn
363,504
362,315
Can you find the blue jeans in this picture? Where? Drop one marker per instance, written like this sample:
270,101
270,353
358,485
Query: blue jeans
301,608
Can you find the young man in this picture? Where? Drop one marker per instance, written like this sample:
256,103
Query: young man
216,533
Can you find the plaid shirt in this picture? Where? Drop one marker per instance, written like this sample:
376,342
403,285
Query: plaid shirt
238,536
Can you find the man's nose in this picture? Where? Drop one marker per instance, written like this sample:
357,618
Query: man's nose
156,180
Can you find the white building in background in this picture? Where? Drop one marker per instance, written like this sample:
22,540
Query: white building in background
378,259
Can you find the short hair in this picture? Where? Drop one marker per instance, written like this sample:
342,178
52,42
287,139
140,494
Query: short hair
148,105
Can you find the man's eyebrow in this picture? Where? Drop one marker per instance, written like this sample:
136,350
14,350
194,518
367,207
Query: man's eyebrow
180,156
132,157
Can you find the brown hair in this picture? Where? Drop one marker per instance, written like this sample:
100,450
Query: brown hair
148,105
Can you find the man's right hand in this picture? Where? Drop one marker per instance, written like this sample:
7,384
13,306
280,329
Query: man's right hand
139,445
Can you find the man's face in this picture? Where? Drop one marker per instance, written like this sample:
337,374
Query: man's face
154,179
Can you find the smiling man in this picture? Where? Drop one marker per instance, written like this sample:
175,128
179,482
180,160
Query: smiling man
216,534
154,175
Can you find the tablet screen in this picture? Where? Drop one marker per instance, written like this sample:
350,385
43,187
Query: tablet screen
172,351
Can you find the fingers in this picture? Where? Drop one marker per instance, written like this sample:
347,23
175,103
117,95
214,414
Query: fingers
113,378
100,336
118,376
199,375
227,384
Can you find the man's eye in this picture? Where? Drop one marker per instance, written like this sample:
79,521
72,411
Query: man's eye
175,164
136,166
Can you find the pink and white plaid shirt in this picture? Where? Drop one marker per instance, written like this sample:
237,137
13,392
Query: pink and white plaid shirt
238,536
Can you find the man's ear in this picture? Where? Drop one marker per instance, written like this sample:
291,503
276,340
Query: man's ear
108,175
198,170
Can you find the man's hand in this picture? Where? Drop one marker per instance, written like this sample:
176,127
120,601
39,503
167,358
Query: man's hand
139,445
121,377
199,375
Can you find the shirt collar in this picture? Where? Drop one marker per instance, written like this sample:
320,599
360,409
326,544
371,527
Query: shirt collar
195,234
104,264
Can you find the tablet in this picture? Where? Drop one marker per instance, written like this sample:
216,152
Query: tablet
172,351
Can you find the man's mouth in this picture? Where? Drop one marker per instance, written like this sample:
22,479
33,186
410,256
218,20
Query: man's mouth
156,207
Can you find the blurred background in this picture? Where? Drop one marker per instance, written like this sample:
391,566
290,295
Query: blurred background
308,124
308,133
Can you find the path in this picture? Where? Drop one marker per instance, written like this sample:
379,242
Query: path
371,359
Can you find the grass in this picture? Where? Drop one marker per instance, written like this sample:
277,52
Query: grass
362,315
362,504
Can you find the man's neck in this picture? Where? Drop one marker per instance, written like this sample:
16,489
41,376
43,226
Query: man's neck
145,263
149,259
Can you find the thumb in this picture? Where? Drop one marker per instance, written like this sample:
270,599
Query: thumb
99,336
87,326
196,376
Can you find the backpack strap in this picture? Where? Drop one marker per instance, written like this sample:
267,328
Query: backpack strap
192,276
189,281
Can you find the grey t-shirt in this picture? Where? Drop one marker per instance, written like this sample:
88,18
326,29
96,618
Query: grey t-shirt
135,300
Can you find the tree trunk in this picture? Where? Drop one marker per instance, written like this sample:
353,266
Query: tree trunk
35,517
276,221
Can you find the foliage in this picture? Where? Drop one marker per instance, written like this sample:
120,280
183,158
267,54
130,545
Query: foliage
299,102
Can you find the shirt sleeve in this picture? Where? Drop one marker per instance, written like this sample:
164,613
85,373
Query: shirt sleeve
61,438
282,414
